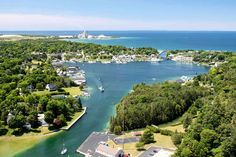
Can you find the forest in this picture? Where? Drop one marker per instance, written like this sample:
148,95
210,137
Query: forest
50,46
19,78
208,103
25,67
207,57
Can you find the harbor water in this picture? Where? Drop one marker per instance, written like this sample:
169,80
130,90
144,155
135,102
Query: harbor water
117,81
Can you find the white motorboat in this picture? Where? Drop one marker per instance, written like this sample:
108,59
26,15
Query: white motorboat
64,150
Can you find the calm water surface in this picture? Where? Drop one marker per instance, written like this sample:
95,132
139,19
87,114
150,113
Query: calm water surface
161,40
118,81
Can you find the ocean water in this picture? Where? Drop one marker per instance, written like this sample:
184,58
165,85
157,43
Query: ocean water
161,40
118,80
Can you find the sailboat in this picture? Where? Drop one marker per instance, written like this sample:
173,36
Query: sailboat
101,88
64,150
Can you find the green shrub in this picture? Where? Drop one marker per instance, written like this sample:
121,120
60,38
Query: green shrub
153,129
140,146
166,132
177,138
147,137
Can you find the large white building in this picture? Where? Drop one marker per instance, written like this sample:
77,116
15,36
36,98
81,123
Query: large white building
83,35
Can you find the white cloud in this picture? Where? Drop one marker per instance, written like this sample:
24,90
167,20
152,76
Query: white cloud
55,22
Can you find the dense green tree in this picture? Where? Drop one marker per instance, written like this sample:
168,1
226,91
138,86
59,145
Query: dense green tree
17,121
147,137
49,117
155,104
40,86
32,119
177,138
118,130
187,120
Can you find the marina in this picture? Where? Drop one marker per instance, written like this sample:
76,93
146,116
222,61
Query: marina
101,105
106,78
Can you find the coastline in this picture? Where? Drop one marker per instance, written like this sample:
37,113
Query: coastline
12,145
18,144
67,128
48,135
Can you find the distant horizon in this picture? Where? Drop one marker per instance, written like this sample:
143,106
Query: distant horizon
121,30
157,15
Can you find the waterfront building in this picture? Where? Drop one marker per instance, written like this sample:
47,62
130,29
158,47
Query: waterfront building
83,35
108,151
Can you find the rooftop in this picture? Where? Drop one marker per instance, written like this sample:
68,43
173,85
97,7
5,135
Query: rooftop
89,146
157,152
108,151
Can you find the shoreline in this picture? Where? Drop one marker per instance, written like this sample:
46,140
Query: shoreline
154,62
30,140
67,128
16,146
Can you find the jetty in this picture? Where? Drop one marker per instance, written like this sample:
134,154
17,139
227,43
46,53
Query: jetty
72,123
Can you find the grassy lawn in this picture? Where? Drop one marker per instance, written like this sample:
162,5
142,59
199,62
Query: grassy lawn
74,91
35,62
173,125
40,93
160,140
174,128
128,148
75,116
11,145
163,141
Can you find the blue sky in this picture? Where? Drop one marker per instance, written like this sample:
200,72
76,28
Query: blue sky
118,14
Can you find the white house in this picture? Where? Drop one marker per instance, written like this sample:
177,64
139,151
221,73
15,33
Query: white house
51,87
108,151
